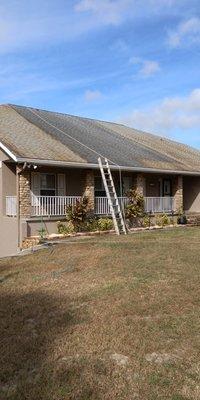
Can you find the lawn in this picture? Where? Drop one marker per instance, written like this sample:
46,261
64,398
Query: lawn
103,318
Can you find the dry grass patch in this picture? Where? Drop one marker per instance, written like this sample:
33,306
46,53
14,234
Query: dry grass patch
104,318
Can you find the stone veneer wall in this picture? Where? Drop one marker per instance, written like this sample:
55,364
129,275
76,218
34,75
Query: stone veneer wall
24,194
177,192
89,189
140,184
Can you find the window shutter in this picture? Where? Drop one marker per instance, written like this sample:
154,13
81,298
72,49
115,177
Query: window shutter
61,185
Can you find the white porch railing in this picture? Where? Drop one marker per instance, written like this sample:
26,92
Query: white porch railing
152,204
56,205
159,204
102,206
11,206
51,205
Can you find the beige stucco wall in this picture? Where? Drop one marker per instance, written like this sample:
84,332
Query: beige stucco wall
7,181
8,236
31,227
3,157
8,225
9,186
191,194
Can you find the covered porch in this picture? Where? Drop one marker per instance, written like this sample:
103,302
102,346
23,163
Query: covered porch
47,191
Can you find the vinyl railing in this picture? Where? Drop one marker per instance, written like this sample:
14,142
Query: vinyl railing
11,206
56,205
152,204
51,205
102,206
159,204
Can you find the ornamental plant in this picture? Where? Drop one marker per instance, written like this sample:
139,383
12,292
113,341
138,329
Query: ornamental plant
135,207
77,214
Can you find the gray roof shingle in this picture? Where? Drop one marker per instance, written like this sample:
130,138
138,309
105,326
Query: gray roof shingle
44,135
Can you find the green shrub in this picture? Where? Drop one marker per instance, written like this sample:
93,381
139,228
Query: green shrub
65,229
42,233
146,221
77,214
105,224
163,220
134,210
89,225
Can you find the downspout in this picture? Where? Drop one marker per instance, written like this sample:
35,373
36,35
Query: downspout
18,172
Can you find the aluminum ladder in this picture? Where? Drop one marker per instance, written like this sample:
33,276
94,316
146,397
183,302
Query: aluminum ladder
118,220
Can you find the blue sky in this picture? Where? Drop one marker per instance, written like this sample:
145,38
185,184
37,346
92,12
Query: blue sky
130,61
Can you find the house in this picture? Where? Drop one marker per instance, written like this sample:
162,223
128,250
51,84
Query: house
49,160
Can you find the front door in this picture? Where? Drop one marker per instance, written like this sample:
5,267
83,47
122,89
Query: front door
167,187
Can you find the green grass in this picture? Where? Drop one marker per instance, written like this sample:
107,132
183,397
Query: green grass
67,310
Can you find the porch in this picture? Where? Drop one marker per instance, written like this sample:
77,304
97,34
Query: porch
47,191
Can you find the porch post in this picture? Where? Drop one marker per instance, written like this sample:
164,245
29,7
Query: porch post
89,189
141,184
177,192
24,194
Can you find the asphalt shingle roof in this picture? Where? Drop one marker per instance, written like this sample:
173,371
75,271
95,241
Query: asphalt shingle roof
37,134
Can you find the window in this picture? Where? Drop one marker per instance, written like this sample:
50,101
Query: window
47,185
99,187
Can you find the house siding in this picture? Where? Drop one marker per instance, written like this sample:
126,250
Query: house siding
191,194
8,226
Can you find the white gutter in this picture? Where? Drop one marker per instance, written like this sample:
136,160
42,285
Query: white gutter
96,166
8,152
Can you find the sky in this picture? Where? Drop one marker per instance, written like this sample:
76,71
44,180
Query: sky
136,62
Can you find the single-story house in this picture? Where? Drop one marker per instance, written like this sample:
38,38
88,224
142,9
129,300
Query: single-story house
49,160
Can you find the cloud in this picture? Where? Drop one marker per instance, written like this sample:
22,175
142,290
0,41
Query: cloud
168,115
187,32
120,46
147,67
22,26
93,95
109,11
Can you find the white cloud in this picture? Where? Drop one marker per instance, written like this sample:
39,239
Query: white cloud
147,67
168,115
22,25
109,11
93,95
187,32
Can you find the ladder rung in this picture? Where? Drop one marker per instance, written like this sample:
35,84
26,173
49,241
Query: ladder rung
112,197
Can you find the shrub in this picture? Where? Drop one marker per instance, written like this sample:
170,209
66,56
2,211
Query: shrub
77,214
65,229
42,233
134,210
105,224
163,220
146,221
182,219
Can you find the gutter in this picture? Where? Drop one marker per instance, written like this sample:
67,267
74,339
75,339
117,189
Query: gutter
112,167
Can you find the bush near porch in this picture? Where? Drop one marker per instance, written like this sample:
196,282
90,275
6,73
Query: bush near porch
79,219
